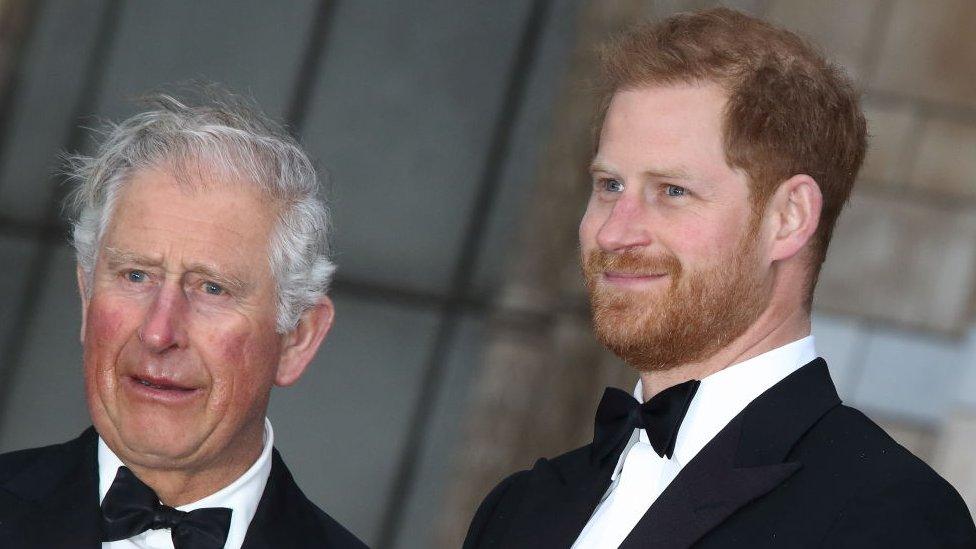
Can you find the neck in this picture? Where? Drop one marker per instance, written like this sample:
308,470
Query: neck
777,326
176,487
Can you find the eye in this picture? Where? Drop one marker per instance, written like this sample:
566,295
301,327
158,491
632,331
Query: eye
674,190
611,185
136,276
213,288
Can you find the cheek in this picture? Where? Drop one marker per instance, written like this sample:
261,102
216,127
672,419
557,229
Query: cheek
107,328
702,235
712,246
697,240
241,360
232,348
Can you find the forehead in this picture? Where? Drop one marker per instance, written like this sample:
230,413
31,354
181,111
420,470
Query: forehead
220,223
680,122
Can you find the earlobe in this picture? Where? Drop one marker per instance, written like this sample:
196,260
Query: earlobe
303,342
797,205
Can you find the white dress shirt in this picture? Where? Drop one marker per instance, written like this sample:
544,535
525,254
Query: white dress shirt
641,475
241,497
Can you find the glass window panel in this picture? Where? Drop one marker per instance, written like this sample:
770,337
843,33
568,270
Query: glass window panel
16,254
529,140
252,46
40,118
46,400
422,508
403,117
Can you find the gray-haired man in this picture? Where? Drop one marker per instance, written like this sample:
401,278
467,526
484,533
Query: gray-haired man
203,264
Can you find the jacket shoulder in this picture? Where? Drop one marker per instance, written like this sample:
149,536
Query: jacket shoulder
846,438
893,497
495,512
564,466
15,463
502,504
13,466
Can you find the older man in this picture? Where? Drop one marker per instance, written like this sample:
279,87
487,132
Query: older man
203,264
727,148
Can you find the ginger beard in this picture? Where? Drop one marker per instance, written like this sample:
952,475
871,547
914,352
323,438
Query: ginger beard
701,311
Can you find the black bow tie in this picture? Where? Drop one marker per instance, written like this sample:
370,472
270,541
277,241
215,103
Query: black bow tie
620,413
130,508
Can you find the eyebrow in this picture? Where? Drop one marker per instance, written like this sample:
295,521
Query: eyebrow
667,173
117,258
597,166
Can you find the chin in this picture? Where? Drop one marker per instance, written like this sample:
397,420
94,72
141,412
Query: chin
153,443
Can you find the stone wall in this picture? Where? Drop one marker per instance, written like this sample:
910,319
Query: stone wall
904,255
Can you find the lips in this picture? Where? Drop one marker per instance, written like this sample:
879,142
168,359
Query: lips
629,266
160,389
614,274
160,384
629,281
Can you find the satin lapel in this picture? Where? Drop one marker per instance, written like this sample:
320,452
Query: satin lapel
271,526
60,499
706,492
741,464
285,518
559,500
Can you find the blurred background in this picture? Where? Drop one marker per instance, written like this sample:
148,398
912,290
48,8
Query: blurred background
455,135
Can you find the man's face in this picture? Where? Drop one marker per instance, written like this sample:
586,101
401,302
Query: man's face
668,240
180,349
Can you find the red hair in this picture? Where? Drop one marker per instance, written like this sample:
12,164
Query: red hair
789,110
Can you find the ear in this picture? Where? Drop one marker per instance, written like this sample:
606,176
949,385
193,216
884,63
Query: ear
793,215
301,343
83,294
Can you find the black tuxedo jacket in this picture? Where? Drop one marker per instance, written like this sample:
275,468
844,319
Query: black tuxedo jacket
794,469
49,499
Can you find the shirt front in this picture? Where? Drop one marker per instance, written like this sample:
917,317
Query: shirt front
241,497
641,475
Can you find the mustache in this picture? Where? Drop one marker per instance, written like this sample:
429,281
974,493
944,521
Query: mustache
631,262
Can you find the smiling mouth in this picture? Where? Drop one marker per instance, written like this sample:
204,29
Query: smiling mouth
619,275
626,281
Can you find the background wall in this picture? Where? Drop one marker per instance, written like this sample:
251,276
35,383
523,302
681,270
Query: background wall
426,115
435,122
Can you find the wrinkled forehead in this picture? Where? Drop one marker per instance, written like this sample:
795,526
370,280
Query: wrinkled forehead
206,184
206,221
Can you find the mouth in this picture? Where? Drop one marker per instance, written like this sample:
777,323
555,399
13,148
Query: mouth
624,278
153,388
163,385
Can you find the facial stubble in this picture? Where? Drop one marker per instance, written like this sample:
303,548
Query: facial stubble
700,312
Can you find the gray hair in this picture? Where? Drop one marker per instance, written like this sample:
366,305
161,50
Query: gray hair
221,136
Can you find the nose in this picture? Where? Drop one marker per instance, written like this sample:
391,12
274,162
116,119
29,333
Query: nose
163,327
627,226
